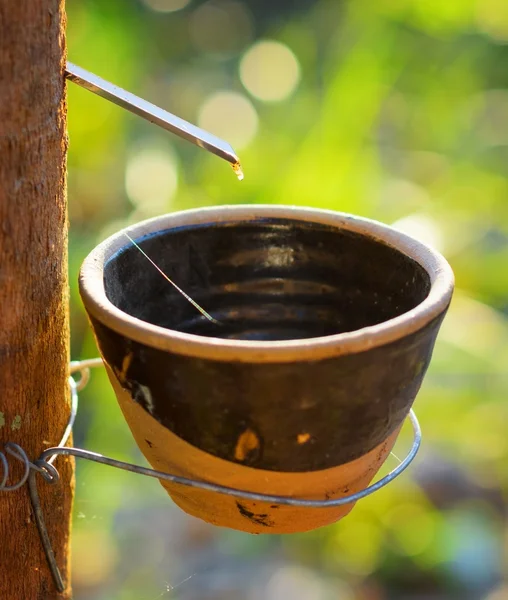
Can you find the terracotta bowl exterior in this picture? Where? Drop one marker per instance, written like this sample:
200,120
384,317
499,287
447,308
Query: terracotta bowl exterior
327,326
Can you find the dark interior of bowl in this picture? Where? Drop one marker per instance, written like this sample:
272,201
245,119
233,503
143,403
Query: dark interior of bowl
269,279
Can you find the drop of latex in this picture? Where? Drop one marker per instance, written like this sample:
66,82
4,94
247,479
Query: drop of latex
237,168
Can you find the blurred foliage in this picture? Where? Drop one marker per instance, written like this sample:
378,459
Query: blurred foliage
396,110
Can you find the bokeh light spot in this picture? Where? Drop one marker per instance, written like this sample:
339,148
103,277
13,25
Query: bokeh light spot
491,417
94,557
231,116
413,527
357,544
270,71
297,583
476,328
166,5
221,27
151,178
492,19
493,117
500,593
423,228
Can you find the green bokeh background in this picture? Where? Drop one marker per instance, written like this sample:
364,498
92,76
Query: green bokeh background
401,115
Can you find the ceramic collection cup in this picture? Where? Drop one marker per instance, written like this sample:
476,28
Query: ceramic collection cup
323,328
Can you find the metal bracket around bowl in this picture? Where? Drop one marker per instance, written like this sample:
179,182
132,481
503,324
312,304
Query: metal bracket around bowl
44,466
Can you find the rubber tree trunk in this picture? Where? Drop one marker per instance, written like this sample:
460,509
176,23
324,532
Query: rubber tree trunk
34,400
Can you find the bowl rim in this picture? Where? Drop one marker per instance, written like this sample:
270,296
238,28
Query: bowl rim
91,287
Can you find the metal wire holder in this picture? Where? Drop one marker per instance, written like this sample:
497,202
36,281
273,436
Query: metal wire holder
45,467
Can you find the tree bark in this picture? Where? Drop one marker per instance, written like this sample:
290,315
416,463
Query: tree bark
34,398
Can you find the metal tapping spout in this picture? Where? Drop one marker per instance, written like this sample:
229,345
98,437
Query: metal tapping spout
154,114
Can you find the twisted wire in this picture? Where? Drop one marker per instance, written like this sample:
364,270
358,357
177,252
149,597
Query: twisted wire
42,466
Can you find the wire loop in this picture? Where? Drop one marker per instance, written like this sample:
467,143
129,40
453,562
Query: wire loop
18,453
47,470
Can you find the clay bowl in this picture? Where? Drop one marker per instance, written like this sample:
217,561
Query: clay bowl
327,324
